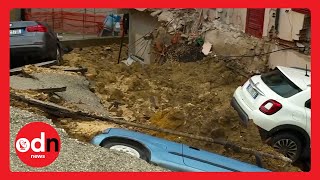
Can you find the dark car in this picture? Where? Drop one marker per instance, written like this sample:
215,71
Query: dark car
33,42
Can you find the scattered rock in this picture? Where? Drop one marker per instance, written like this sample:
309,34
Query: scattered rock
55,99
155,13
107,49
165,16
236,35
206,48
184,36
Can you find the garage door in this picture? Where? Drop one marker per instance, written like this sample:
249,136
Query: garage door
254,24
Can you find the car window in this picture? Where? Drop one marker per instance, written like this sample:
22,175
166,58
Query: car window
308,104
280,84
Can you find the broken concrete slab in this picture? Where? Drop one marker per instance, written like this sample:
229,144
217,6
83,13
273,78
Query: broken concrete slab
141,9
70,69
18,70
129,61
165,16
236,35
206,48
153,14
77,92
22,83
184,35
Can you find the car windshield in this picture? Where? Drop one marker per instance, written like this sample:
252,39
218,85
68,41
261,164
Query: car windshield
280,84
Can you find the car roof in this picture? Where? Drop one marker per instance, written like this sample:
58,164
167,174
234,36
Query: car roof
173,146
14,24
297,76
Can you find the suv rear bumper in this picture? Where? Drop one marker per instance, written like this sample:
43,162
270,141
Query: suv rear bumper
243,115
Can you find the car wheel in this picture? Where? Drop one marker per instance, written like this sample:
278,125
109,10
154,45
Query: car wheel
127,146
287,144
59,56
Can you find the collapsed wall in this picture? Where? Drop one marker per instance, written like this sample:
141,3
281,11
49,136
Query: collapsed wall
192,34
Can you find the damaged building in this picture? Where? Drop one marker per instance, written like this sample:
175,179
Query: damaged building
253,38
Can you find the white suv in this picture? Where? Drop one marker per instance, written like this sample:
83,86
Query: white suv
279,103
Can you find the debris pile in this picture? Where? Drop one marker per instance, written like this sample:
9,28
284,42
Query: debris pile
191,97
191,34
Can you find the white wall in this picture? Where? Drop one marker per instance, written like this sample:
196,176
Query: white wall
289,58
290,24
140,24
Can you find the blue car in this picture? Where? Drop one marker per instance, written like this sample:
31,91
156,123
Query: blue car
168,154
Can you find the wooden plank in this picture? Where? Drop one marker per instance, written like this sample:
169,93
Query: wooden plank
50,90
66,112
71,69
18,70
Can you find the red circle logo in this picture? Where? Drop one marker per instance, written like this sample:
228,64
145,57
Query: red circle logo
37,144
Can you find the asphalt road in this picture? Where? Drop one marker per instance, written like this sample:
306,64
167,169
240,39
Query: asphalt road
74,156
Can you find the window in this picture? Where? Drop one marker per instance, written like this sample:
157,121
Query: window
308,104
280,84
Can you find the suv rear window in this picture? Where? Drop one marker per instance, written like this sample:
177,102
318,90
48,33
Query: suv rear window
280,84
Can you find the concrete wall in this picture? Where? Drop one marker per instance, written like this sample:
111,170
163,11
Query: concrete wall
234,16
290,23
230,42
224,43
289,58
269,20
140,24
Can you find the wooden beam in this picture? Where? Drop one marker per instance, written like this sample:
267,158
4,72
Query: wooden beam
50,89
70,69
18,70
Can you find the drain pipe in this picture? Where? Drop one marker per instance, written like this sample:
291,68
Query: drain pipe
276,25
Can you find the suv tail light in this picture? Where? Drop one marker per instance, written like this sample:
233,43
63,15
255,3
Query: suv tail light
270,107
37,28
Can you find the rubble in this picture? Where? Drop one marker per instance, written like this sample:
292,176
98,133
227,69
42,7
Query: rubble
188,97
185,27
165,16
153,14
206,48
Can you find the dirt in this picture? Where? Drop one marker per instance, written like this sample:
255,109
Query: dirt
91,128
192,97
